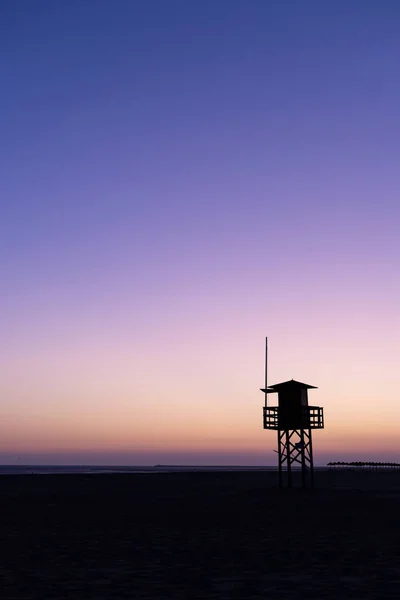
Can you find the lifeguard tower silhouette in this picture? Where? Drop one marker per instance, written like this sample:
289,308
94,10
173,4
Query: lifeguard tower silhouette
293,419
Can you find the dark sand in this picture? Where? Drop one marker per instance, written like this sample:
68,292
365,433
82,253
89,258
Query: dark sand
199,535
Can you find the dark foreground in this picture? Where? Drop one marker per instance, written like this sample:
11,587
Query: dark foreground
199,535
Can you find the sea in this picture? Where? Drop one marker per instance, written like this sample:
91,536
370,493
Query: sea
98,470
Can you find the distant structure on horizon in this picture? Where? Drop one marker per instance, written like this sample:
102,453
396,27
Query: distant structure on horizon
294,420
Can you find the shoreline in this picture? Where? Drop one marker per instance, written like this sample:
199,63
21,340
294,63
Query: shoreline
325,479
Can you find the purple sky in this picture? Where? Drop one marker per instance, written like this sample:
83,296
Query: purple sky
178,180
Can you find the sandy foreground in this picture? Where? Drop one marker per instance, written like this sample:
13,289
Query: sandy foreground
199,535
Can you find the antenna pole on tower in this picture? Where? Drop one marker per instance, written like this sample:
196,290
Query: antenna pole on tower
266,370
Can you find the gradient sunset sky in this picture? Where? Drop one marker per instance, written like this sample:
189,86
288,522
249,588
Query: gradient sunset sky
180,179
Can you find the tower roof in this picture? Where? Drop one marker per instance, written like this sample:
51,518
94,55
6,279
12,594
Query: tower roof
271,389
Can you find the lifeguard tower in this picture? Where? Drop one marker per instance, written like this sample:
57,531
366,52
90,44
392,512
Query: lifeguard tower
294,419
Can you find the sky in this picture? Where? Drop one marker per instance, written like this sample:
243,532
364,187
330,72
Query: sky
180,180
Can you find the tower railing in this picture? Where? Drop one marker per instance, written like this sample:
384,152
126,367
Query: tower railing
312,417
316,417
271,417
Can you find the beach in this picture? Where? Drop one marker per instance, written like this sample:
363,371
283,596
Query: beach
199,535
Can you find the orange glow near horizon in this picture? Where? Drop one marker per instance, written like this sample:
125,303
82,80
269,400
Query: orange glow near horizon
162,421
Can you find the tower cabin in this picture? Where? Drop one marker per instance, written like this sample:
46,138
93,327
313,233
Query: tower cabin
293,411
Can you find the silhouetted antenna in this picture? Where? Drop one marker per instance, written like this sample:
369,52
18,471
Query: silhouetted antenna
266,370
